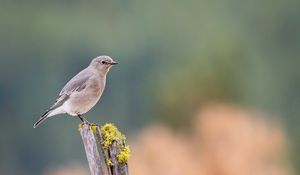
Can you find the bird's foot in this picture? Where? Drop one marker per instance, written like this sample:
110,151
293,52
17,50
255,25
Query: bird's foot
85,121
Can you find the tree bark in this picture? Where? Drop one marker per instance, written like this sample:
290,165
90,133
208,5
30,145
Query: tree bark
114,156
91,150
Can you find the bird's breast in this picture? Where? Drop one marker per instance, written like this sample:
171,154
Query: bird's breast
81,102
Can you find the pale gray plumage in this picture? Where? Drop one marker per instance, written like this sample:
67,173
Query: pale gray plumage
82,92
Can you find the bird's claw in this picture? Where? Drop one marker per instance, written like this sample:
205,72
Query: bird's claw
83,120
88,123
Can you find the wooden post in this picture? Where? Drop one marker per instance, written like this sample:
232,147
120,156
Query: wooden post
113,146
116,152
117,167
91,150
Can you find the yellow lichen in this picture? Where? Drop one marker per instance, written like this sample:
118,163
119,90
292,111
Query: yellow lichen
110,133
93,128
80,126
109,162
124,155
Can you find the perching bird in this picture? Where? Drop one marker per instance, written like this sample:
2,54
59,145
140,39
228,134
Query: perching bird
82,92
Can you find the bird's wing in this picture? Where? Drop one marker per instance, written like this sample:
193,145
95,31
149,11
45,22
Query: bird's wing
59,101
77,83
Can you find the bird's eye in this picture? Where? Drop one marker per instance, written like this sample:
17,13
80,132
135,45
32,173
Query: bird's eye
103,62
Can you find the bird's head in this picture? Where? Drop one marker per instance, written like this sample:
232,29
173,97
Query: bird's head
103,63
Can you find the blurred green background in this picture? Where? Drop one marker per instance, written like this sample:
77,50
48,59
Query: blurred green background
174,56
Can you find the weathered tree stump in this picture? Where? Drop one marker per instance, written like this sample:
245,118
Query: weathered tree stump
91,150
113,147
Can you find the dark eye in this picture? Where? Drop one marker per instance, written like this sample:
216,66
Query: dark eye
103,62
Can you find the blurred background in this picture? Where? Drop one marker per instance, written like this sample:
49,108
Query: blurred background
202,88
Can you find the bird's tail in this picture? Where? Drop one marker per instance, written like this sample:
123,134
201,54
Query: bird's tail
41,119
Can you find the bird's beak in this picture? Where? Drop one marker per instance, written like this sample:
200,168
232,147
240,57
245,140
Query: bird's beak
113,63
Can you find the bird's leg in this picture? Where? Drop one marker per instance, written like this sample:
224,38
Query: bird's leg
80,117
83,120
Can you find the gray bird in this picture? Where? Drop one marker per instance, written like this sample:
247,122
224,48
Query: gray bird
82,92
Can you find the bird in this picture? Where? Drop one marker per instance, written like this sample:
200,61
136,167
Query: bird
82,92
